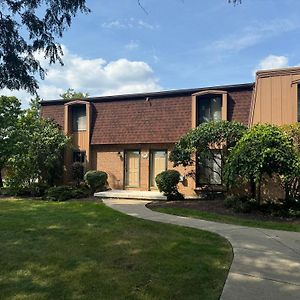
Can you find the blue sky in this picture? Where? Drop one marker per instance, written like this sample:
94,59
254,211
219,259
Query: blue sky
118,48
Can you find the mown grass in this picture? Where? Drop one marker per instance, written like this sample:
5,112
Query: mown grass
80,250
210,216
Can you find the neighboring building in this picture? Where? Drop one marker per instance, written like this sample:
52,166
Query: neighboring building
130,136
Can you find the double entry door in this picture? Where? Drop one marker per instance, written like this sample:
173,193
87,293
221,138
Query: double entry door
132,164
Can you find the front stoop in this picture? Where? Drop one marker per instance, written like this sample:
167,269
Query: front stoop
143,195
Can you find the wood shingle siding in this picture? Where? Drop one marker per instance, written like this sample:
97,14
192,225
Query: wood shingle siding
162,120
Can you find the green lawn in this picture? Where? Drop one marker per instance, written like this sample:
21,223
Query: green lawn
85,250
187,212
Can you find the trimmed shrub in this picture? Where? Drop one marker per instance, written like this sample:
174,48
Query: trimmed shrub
60,193
230,201
35,189
243,205
38,189
77,172
66,192
96,180
167,183
81,192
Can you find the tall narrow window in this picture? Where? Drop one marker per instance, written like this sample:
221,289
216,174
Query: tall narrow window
209,171
78,117
298,98
209,108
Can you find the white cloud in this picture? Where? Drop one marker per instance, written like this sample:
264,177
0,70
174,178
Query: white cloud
253,34
128,23
94,76
273,62
132,45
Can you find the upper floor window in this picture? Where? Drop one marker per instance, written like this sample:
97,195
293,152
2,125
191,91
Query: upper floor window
298,98
209,108
78,117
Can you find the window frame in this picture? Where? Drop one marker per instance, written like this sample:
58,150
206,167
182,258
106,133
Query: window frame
224,104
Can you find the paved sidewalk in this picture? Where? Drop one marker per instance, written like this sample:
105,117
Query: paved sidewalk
266,263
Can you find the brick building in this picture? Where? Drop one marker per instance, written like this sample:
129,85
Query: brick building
131,136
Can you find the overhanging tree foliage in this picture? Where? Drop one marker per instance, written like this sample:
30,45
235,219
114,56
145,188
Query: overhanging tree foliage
28,26
209,141
10,110
292,182
264,149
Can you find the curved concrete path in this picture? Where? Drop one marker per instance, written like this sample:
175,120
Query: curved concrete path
266,263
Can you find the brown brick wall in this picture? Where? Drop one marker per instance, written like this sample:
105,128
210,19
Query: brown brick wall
106,158
239,103
54,112
162,120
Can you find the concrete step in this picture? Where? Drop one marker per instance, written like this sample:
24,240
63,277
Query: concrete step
127,194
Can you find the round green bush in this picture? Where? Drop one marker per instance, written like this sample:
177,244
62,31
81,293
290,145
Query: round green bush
96,180
167,183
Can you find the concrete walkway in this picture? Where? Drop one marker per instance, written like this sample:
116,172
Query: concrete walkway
266,263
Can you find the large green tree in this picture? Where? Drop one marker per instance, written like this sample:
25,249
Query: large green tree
10,110
210,141
29,26
264,149
38,152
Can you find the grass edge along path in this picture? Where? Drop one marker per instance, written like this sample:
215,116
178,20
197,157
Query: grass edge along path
211,216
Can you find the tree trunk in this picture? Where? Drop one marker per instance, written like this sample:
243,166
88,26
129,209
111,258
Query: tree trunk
252,188
1,180
258,191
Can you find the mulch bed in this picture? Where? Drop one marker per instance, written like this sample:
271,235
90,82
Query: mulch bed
217,206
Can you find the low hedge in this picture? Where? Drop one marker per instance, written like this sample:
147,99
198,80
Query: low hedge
66,192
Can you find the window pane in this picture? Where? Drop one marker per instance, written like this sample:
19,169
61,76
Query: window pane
79,156
210,170
78,118
209,109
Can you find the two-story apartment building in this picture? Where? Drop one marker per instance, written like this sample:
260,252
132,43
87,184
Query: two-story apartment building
130,136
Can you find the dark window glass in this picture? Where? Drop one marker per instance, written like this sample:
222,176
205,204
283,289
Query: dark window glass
209,109
78,118
79,156
209,172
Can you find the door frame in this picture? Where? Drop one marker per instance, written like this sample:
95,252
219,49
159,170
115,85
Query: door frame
125,169
151,165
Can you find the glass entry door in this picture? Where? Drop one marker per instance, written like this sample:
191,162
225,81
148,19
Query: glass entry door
132,169
158,164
